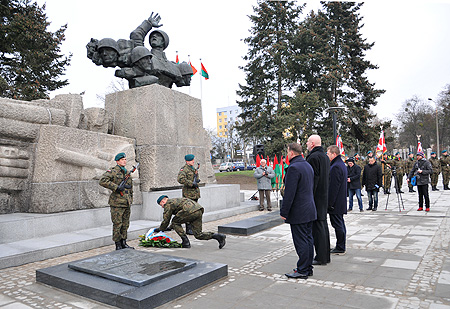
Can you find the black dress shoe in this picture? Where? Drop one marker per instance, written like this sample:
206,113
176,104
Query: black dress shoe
337,251
318,263
310,273
297,275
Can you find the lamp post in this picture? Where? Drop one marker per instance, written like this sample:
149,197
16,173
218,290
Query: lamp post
437,128
333,113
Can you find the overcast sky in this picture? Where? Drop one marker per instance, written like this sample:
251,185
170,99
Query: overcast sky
412,45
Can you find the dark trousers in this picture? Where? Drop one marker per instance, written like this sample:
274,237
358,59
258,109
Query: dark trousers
321,237
303,243
337,222
423,194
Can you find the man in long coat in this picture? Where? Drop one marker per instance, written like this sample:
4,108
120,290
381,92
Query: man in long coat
299,211
337,198
321,166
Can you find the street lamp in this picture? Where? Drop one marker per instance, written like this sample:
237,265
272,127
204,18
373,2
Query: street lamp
437,128
333,109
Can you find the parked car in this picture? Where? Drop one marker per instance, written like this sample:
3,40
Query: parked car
226,167
240,166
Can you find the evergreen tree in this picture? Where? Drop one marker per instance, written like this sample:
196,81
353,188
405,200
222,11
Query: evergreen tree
444,118
274,25
30,56
329,59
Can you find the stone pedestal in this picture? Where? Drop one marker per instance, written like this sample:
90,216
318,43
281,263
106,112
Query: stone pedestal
167,125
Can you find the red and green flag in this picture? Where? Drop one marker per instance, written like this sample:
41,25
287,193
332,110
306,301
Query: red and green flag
203,72
176,59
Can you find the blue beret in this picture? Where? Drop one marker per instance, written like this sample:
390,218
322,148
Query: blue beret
356,154
409,153
161,198
444,150
433,153
370,151
397,153
120,156
189,157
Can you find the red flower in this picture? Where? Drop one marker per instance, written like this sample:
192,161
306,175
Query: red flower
168,240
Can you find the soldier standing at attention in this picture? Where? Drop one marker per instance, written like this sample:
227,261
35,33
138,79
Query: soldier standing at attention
398,163
436,170
387,173
120,200
409,165
445,168
188,177
185,210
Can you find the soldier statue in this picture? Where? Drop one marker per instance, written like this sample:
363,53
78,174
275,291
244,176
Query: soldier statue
137,64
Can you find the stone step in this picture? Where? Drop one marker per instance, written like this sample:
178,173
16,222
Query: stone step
252,225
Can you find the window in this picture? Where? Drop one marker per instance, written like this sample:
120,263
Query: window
220,113
231,112
220,127
220,120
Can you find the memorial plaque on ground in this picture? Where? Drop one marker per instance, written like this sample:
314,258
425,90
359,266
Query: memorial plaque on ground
132,266
252,225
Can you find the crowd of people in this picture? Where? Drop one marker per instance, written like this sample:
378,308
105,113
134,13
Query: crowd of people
317,187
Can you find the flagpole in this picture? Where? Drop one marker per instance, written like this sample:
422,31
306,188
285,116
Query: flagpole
201,89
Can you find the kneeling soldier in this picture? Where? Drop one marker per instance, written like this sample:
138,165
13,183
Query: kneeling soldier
185,210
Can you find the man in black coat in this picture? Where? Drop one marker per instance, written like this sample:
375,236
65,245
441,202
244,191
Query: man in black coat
337,198
372,175
299,211
321,166
354,184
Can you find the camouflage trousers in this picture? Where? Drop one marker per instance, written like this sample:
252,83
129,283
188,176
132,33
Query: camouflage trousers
387,181
120,217
400,181
434,179
445,177
195,219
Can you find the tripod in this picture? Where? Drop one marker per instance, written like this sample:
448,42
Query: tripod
397,190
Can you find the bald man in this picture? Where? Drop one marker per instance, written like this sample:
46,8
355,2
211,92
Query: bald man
320,163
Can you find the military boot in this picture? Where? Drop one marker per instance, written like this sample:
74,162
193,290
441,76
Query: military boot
433,188
189,229
118,245
124,244
185,242
220,238
446,187
411,190
436,189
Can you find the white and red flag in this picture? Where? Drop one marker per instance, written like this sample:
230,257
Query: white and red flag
419,146
340,145
381,148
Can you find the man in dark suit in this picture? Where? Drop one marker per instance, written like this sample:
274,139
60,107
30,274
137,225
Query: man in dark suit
337,197
321,166
299,211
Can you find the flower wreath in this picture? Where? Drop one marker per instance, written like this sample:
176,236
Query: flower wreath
160,240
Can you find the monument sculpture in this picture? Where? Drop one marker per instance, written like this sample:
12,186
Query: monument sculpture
137,64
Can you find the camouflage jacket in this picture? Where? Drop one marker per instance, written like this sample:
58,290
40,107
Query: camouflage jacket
179,207
436,165
399,166
111,179
409,164
186,178
445,163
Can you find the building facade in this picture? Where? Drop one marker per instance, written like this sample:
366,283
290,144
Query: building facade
226,116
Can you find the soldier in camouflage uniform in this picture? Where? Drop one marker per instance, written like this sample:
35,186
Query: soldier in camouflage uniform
398,163
409,165
387,173
436,164
120,200
188,177
185,210
445,169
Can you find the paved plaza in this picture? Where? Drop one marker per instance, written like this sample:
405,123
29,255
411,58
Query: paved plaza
394,259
